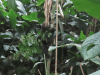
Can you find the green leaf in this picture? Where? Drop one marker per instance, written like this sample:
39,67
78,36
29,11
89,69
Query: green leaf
1,8
37,63
25,1
82,36
25,24
96,73
29,45
39,2
66,13
39,32
96,60
92,41
86,5
11,4
4,36
91,33
4,13
2,23
31,17
54,47
41,20
5,3
69,36
72,12
12,17
91,46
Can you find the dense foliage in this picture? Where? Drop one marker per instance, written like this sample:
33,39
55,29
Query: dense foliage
23,40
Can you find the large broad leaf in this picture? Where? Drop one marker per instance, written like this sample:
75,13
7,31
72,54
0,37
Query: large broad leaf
21,7
31,17
91,46
12,17
90,6
11,4
4,13
96,60
96,73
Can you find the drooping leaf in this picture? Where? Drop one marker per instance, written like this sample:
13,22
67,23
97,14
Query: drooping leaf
21,7
95,73
37,64
12,17
90,6
96,60
94,50
61,26
54,47
61,12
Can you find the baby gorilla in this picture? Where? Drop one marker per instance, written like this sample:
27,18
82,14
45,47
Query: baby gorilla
46,39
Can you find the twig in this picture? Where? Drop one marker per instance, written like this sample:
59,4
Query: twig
82,69
71,69
56,38
39,71
95,24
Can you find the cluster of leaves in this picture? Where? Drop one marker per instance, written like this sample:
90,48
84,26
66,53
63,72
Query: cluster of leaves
13,25
28,46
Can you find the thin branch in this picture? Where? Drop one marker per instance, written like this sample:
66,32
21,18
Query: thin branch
82,69
39,71
56,38
71,69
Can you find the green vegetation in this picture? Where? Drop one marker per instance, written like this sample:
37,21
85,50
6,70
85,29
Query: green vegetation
26,46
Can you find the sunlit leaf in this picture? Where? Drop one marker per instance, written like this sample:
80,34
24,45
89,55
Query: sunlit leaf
61,12
21,7
96,60
31,17
5,3
91,46
86,5
82,36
